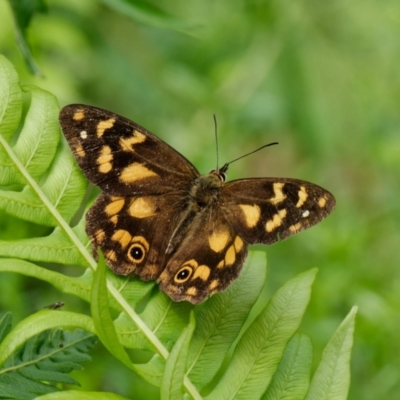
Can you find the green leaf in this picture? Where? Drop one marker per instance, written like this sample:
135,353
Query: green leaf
152,371
102,317
56,247
261,347
81,395
43,360
23,11
292,378
5,325
10,105
175,369
38,139
220,319
76,286
31,157
52,185
39,322
331,380
146,13
133,290
164,317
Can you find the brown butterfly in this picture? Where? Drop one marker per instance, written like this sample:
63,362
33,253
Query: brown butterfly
158,218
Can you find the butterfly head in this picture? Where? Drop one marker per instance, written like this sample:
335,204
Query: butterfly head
221,173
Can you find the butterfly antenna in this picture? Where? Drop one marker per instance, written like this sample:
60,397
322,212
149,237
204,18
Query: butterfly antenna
254,151
216,137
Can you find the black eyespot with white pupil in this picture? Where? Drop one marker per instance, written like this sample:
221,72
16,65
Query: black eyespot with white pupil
137,252
183,274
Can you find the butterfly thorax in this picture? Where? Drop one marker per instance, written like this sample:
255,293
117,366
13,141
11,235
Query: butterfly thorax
205,190
203,193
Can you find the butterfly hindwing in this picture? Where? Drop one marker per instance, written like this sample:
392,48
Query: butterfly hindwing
133,232
209,258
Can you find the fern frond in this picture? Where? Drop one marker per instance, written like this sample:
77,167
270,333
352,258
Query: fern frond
50,194
218,352
44,361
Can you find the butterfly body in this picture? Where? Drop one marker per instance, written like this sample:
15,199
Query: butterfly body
158,218
203,193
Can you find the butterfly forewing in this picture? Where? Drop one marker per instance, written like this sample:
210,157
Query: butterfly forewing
120,156
265,210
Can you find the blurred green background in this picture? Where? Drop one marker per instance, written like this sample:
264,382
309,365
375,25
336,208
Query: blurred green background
321,78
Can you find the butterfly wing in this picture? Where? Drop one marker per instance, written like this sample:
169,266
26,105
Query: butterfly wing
143,181
120,156
265,210
133,232
248,211
209,258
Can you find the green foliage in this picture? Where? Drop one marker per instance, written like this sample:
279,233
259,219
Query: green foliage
332,377
292,377
175,367
319,77
23,11
146,13
260,349
74,394
102,317
139,11
188,345
158,327
43,361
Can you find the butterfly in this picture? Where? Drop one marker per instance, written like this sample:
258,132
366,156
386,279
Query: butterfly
158,218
